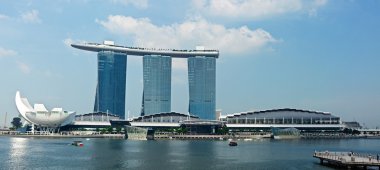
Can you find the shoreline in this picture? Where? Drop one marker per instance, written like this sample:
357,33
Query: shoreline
112,136
186,137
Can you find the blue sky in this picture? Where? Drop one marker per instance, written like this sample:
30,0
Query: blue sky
316,55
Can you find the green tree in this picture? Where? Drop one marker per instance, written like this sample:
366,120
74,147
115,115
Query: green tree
109,129
222,131
170,130
16,122
347,131
118,129
182,130
355,132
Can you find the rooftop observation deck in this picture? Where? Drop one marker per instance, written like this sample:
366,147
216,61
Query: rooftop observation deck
139,51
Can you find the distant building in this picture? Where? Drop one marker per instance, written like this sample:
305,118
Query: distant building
40,116
97,117
218,113
112,61
91,120
352,125
193,124
171,117
283,118
202,127
157,84
202,79
110,90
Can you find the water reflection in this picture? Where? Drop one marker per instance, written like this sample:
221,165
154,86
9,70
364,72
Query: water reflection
17,150
202,153
106,153
178,152
29,153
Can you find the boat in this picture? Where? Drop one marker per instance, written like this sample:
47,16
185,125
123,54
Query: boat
77,143
232,143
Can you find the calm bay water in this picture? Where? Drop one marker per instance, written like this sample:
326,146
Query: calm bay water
42,153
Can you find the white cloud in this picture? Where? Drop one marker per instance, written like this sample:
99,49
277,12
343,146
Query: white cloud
69,41
179,74
315,5
3,17
31,17
142,4
254,9
188,34
49,74
24,67
6,53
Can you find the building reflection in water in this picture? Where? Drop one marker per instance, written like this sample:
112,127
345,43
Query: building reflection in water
106,153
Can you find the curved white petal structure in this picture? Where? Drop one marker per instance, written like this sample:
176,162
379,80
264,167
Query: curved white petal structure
39,115
47,118
23,106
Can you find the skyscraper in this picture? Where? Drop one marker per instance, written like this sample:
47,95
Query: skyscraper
157,84
110,90
157,65
201,73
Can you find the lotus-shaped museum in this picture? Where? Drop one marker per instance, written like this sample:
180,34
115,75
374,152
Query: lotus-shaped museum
40,116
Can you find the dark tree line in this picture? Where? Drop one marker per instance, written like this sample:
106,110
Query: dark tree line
16,123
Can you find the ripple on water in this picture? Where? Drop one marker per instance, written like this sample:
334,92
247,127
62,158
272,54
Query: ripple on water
40,153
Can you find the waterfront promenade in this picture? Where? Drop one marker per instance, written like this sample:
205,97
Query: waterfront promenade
348,159
60,135
331,136
180,136
244,135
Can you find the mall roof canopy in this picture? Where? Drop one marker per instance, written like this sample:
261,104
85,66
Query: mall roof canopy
281,113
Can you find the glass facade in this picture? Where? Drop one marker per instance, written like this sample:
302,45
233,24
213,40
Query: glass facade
282,116
157,84
110,90
202,72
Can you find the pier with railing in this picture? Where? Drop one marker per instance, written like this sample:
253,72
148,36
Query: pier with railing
348,159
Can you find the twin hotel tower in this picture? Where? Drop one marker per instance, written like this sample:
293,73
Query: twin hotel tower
157,69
